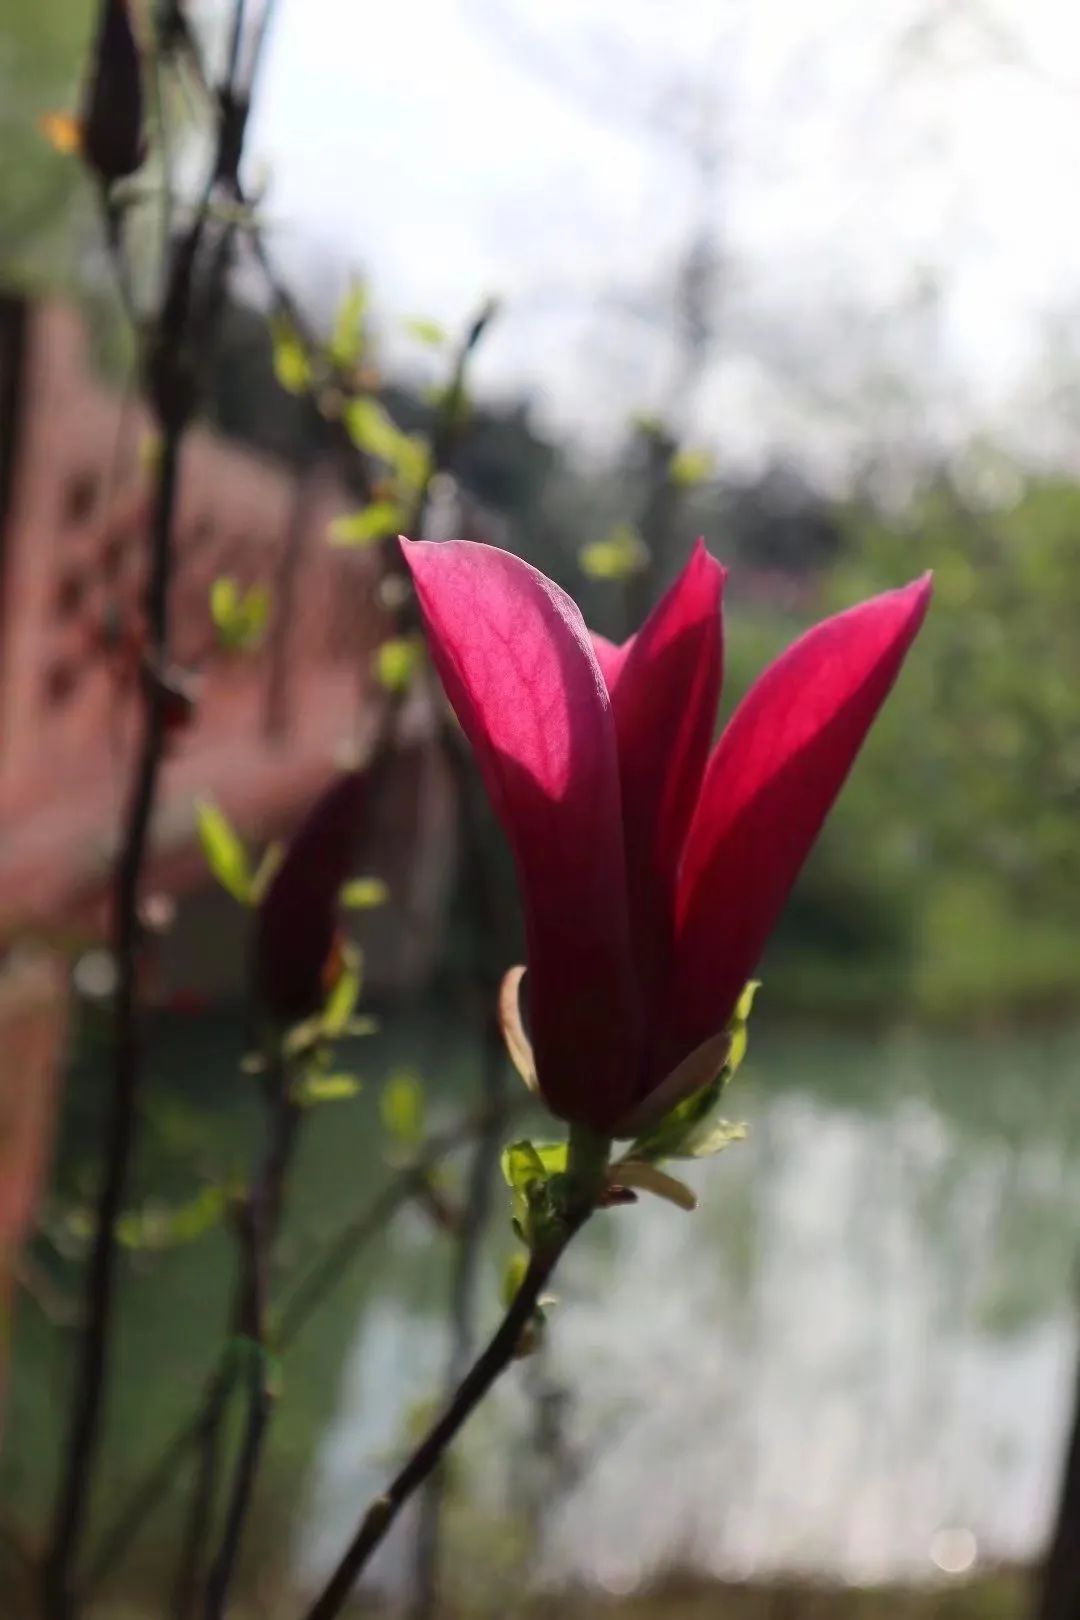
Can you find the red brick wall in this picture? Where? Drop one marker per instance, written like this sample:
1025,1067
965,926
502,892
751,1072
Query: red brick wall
74,555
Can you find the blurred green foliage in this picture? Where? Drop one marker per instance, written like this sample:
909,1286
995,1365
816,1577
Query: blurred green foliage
956,847
45,202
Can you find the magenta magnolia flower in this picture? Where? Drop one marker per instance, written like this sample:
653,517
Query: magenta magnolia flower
651,870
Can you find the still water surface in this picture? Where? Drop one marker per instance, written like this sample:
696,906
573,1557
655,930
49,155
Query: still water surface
861,1344
863,1338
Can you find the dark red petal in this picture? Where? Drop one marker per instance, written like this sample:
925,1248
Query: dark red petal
611,656
518,667
665,687
769,785
297,920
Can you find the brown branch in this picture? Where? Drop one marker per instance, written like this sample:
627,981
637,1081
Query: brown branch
318,1281
84,1434
483,1374
169,374
258,1231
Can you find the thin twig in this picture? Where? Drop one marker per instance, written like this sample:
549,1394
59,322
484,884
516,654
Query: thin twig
485,931
85,1430
169,375
205,1433
314,1286
259,1229
470,1238
484,1372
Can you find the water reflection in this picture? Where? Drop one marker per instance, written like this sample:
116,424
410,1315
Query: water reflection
859,1351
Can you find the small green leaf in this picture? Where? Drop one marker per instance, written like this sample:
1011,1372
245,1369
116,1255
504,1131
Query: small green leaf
157,1227
689,467
619,557
225,854
323,1088
266,871
372,430
363,894
341,1002
292,367
529,1169
239,617
426,331
369,525
224,595
713,1139
402,1108
514,1276
521,1164
347,339
396,662
691,1130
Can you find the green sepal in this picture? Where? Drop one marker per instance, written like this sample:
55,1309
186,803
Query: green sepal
691,1130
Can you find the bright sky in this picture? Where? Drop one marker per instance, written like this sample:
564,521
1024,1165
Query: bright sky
893,199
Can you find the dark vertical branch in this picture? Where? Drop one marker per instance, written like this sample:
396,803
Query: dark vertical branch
488,957
315,1284
483,1374
279,642
199,1518
84,1433
258,1230
1059,1585
169,373
463,1299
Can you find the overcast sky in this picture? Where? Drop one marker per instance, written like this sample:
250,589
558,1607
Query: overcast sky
893,198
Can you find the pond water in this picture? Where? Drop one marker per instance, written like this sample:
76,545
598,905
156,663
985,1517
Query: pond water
856,1358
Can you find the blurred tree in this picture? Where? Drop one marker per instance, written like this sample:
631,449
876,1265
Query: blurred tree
45,204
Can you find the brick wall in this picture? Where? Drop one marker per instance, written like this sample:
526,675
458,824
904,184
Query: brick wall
269,725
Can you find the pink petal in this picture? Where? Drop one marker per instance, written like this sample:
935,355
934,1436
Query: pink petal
518,667
769,785
611,656
665,687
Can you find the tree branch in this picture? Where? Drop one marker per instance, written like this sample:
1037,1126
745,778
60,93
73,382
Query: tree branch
490,1364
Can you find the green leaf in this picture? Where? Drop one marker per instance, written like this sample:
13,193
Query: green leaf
363,894
372,430
689,467
426,331
690,1130
292,367
347,339
402,1108
266,871
313,1089
528,1169
619,557
157,1227
225,854
514,1276
341,1002
712,1139
396,662
371,524
239,617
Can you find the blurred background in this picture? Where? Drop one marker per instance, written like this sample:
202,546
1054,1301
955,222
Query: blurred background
805,281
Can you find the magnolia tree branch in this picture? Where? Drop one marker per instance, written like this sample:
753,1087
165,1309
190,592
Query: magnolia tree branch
483,1374
485,949
259,1228
170,373
463,1292
314,1287
87,1409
